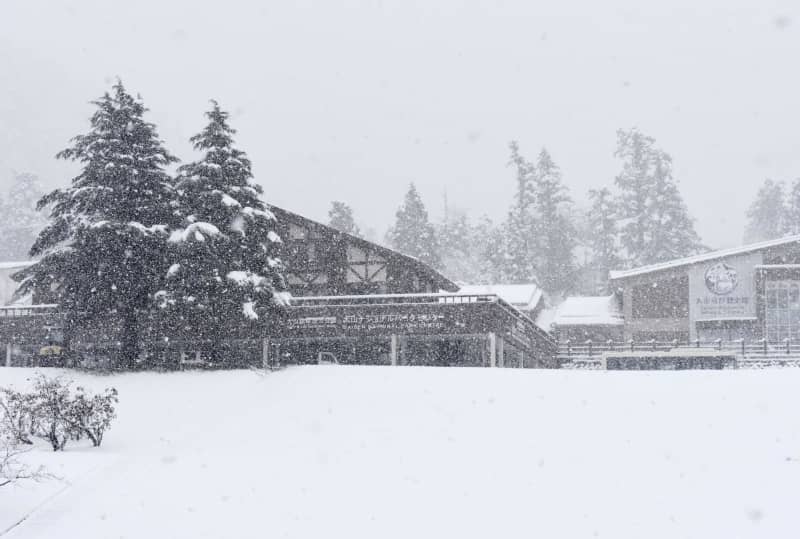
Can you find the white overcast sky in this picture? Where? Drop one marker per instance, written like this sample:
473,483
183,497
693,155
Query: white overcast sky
354,100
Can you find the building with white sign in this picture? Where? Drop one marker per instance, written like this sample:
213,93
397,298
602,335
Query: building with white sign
749,292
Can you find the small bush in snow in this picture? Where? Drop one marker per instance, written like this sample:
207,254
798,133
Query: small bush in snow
91,415
54,412
52,403
16,415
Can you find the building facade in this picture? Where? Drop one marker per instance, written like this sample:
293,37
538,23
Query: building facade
354,301
750,292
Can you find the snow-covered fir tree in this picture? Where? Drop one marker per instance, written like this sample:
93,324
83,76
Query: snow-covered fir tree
634,183
655,223
555,235
462,247
413,234
340,217
102,251
767,216
602,235
490,244
224,258
672,229
520,228
792,225
19,219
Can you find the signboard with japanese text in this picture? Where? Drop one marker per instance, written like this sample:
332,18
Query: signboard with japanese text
724,289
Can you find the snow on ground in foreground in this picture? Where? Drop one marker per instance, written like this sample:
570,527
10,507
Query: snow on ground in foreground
375,452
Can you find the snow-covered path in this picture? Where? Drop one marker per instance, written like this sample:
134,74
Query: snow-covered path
367,452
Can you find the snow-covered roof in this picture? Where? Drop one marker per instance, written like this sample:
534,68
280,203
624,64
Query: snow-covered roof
523,296
704,257
588,311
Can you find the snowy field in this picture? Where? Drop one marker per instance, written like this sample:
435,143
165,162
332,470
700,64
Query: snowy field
375,452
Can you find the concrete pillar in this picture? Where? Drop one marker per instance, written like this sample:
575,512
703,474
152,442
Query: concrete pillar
492,350
501,351
265,353
393,353
8,354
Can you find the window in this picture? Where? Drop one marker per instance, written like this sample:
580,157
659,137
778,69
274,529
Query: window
782,314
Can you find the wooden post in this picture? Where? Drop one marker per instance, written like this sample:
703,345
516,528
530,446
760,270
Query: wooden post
393,353
265,353
492,350
8,355
501,351
522,359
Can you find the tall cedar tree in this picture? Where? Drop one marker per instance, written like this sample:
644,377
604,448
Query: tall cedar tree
767,217
19,219
793,209
413,234
461,248
340,217
555,236
673,234
656,225
225,266
520,248
102,252
601,237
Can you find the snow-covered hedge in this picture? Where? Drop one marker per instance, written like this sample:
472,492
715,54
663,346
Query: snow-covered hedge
56,412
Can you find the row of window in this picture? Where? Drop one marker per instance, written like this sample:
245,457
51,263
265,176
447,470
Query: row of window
782,310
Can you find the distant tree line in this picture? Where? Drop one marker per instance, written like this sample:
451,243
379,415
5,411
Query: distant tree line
641,219
775,212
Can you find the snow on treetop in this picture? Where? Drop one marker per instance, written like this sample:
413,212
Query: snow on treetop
273,237
195,231
173,269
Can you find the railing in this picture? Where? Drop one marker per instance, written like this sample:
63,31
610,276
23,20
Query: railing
785,352
420,299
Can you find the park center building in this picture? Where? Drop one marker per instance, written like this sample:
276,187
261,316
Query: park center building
750,292
354,301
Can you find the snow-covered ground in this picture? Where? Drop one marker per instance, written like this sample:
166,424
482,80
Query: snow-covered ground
376,452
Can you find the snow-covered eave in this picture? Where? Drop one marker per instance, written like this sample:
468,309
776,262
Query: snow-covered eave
616,275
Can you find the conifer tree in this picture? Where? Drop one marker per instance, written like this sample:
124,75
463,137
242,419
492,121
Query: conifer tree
767,216
461,247
555,235
793,209
225,267
102,251
340,217
19,219
672,229
520,248
656,225
412,233
602,232
634,182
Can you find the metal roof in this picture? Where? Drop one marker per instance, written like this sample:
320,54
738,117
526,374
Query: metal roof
704,257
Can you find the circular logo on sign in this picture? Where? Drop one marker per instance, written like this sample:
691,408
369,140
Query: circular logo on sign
721,279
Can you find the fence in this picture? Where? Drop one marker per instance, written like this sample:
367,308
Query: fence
757,353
